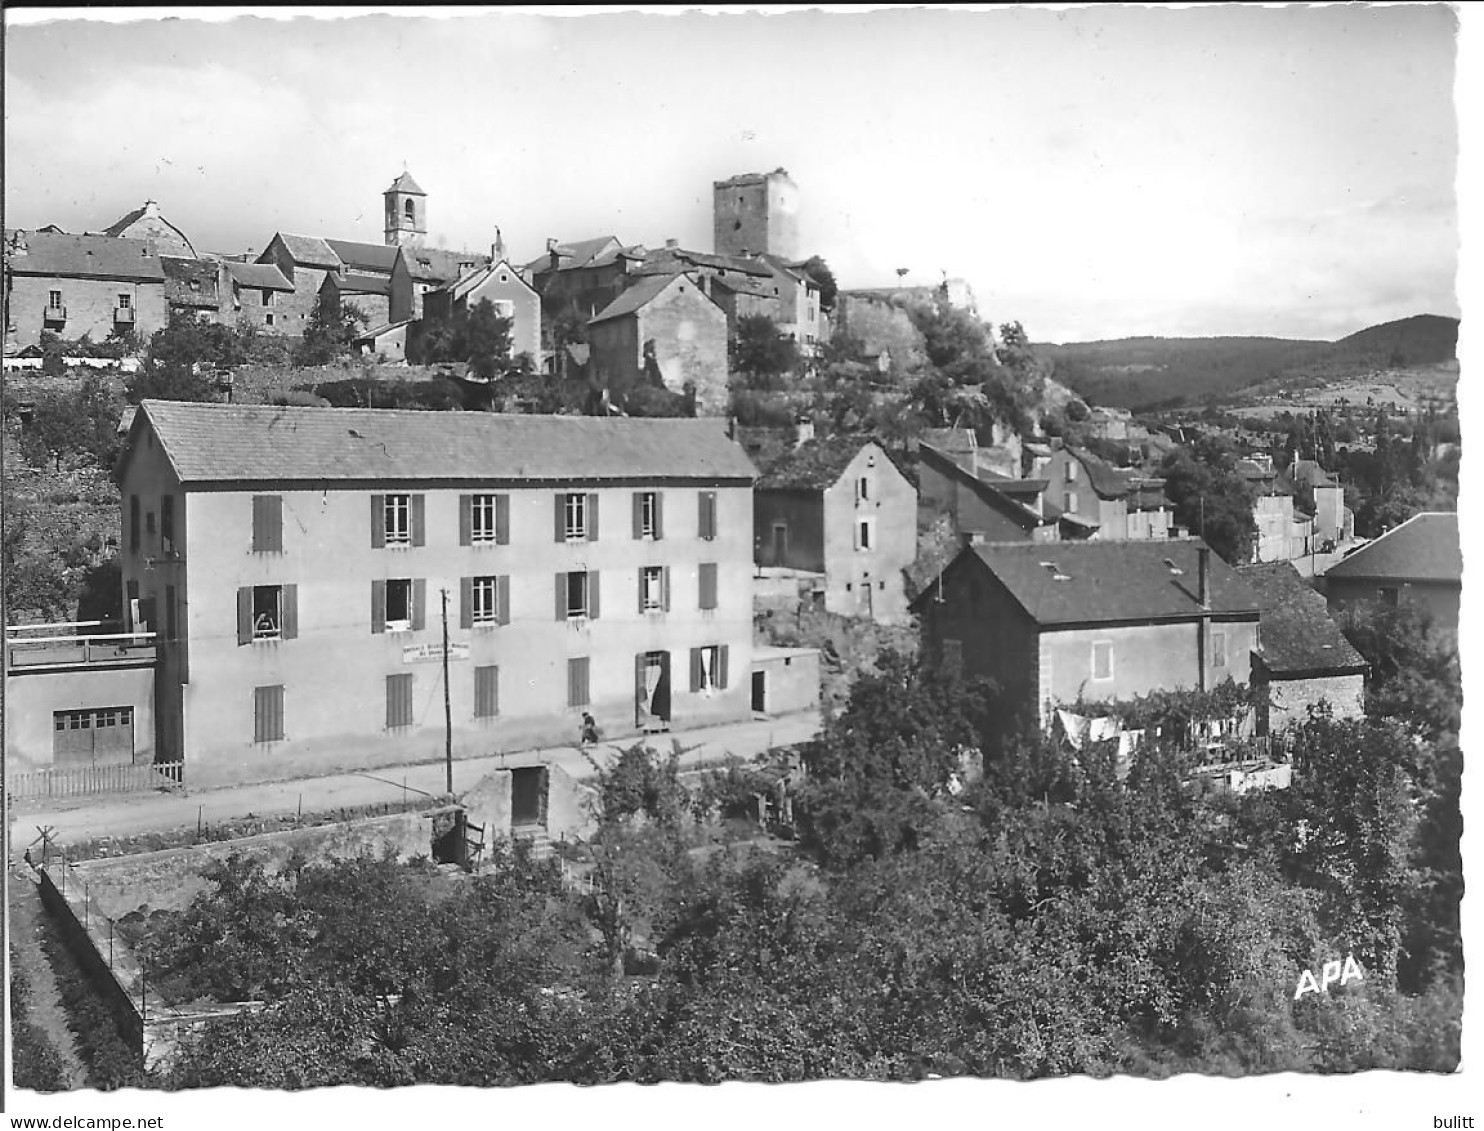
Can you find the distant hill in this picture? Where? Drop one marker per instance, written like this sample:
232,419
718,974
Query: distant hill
1143,373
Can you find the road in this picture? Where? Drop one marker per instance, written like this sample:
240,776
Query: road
80,819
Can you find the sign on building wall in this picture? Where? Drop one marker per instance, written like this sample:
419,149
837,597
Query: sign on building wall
423,653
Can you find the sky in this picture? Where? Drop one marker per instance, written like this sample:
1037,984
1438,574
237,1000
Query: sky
1091,172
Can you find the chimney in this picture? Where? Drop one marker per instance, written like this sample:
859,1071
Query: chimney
551,243
803,431
497,249
151,209
671,245
1203,555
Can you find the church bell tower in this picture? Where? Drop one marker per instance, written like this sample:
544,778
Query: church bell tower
406,212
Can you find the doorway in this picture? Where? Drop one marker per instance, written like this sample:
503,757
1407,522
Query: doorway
101,737
760,693
780,543
528,796
652,690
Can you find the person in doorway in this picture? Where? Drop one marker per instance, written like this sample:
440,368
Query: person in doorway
589,730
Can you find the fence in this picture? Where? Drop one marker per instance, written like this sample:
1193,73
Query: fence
83,781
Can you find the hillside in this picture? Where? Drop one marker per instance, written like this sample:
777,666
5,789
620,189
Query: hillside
1151,372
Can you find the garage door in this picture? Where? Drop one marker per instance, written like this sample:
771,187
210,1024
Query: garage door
94,737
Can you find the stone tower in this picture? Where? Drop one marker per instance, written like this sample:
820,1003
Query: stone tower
406,212
756,212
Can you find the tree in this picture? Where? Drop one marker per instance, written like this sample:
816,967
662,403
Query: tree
818,270
1210,499
761,355
331,332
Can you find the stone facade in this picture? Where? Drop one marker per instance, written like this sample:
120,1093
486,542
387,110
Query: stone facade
756,213
688,334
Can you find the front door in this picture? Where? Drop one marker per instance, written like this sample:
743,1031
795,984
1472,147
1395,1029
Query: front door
760,692
528,796
652,690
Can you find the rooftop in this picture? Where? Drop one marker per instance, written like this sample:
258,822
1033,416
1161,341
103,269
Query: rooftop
218,443
265,276
308,251
406,184
1424,548
1067,583
108,257
814,465
377,257
639,295
1298,635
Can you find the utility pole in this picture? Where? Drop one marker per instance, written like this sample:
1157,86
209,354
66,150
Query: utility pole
447,703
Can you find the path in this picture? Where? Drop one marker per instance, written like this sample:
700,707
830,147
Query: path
80,819
46,1012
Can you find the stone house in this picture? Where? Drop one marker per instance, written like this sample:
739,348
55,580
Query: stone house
298,563
1091,621
1418,563
418,270
304,261
146,223
1110,503
76,285
512,297
261,297
1302,658
841,507
198,287
983,506
664,324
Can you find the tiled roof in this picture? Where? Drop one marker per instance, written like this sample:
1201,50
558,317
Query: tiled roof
378,257
1298,635
813,466
951,439
462,286
579,253
128,218
1424,548
375,332
405,183
265,276
214,443
948,466
106,257
439,265
1013,487
1108,481
362,285
677,258
640,294
1063,583
307,251
742,285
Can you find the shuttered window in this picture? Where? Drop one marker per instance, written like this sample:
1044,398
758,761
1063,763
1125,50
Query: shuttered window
576,517
577,595
484,520
654,589
267,524
267,612
649,515
706,520
577,682
484,600
399,700
486,692
267,713
707,576
708,668
167,523
133,524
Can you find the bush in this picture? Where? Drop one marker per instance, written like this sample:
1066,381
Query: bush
38,1065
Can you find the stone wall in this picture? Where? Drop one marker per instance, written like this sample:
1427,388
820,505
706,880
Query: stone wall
879,325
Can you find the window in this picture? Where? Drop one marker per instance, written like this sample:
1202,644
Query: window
577,595
708,668
267,612
862,489
398,605
577,682
863,533
576,517
486,692
399,700
267,524
648,518
654,589
149,523
1102,659
486,600
1071,471
1218,649
125,300
268,319
167,523
409,210
1069,502
133,524
706,522
397,520
707,577
267,297
267,714
484,520
54,300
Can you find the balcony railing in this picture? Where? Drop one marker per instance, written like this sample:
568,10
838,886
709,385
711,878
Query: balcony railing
54,314
124,315
65,645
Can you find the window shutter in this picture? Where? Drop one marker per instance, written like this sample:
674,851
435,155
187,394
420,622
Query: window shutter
289,629
721,666
502,599
244,614
466,520
378,606
639,688
419,520
466,602
133,524
486,692
659,515
592,594
708,585
592,518
855,534
378,521
259,531
502,520
275,523
641,589
695,669
638,514
665,588
561,596
561,516
705,515
419,604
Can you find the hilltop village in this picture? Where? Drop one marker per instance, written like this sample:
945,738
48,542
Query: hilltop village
887,584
